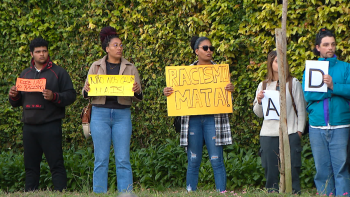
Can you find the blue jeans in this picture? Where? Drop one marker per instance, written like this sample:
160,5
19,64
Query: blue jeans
202,129
109,125
329,148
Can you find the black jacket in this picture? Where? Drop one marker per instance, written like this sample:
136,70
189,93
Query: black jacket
37,110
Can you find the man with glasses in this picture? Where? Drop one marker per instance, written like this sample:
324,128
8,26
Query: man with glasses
329,119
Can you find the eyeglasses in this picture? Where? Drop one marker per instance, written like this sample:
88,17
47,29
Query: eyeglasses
205,48
116,45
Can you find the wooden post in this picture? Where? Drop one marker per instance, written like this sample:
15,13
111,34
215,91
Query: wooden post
284,147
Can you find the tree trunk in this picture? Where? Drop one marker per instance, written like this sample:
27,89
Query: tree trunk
284,147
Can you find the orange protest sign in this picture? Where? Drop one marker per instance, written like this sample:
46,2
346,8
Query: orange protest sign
30,85
198,90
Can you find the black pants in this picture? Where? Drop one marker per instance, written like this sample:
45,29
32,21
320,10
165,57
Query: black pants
47,139
270,158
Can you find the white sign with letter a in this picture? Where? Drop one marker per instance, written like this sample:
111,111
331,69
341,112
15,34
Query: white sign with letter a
314,72
271,105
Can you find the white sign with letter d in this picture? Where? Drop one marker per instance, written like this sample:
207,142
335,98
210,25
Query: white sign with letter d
314,72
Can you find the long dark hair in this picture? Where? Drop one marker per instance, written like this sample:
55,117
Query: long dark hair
106,35
270,58
324,32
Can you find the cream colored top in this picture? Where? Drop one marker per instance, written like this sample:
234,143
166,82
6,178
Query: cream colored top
294,123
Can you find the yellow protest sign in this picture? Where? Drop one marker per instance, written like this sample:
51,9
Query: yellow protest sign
111,85
198,89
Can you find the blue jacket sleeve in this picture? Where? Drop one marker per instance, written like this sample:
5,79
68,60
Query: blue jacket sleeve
343,89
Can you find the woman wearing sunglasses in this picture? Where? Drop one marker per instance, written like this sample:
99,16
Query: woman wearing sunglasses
213,130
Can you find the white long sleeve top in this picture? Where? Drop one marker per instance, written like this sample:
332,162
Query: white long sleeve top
295,123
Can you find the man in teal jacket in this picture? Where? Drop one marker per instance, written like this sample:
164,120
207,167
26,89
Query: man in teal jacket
329,118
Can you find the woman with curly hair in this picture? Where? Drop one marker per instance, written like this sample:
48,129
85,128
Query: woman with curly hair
111,115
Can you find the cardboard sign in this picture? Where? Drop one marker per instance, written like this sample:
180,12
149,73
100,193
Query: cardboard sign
111,85
314,71
30,85
198,90
271,104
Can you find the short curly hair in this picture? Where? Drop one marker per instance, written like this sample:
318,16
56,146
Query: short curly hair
106,35
38,42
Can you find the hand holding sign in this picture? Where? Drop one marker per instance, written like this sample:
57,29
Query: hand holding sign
260,96
48,95
136,88
327,79
316,76
168,91
271,105
13,91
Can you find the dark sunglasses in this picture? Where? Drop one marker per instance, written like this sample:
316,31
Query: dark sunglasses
205,48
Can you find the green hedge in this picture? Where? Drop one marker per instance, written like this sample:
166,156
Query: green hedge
156,34
159,167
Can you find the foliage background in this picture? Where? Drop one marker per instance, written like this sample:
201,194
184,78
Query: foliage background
156,34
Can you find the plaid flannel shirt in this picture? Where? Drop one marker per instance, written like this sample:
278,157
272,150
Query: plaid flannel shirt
222,127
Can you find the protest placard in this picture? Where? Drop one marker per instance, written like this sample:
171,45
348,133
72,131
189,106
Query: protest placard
314,71
111,85
271,104
198,89
30,85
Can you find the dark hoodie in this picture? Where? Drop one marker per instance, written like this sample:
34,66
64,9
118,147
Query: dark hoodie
37,110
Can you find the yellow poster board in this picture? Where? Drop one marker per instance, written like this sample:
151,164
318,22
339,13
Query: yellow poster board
111,85
198,90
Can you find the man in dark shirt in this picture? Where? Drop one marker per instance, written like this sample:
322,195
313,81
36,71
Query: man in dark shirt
42,116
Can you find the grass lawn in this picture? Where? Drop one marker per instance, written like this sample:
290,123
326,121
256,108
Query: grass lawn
149,193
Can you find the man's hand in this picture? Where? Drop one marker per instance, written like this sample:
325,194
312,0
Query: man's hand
13,92
48,95
327,79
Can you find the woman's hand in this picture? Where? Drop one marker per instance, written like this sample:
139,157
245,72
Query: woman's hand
260,96
87,86
136,88
229,87
300,134
168,91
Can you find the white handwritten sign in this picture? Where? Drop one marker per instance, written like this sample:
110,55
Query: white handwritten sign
271,105
314,72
